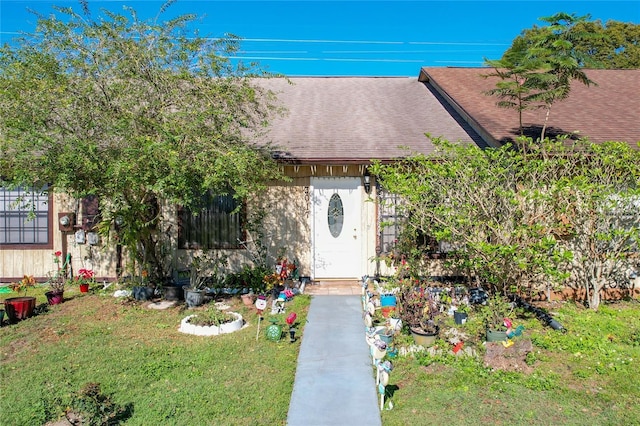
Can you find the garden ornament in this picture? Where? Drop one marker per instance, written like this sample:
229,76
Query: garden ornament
382,380
368,320
274,331
371,309
291,319
507,323
511,332
277,306
261,303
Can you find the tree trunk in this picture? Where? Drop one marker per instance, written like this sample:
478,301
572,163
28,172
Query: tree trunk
544,126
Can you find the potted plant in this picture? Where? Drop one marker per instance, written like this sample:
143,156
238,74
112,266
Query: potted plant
243,281
85,278
57,280
493,313
145,290
461,313
56,283
204,269
272,283
21,307
461,305
388,289
419,309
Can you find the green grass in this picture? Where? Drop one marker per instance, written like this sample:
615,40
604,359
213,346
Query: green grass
588,375
160,376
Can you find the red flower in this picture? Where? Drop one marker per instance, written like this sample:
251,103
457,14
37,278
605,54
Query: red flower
57,254
86,273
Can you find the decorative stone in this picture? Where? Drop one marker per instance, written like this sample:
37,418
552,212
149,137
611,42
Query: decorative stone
122,293
163,304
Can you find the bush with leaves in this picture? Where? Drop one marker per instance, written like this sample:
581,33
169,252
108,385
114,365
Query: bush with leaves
94,407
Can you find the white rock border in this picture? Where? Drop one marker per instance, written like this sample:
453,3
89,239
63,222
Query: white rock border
213,330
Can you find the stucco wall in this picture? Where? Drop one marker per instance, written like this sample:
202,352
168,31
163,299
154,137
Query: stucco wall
287,227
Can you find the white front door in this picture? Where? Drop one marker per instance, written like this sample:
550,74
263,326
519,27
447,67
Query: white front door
336,227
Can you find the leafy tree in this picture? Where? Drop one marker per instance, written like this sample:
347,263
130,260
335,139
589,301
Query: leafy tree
513,89
479,202
557,213
598,194
615,45
143,114
541,64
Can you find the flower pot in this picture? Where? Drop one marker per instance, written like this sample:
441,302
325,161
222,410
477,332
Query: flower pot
496,336
55,297
19,308
248,299
378,353
84,288
385,334
395,324
172,292
460,317
387,311
193,297
142,293
420,337
388,300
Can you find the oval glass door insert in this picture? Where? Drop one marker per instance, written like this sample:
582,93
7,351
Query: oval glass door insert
335,215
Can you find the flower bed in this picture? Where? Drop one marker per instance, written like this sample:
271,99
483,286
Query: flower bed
213,330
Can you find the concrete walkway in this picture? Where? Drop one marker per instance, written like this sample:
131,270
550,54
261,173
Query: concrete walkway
334,382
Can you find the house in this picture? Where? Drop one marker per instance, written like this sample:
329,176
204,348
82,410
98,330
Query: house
325,216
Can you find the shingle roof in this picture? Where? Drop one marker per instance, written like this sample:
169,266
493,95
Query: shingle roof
355,119
607,111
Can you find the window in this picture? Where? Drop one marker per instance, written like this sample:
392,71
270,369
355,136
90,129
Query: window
214,226
25,218
389,221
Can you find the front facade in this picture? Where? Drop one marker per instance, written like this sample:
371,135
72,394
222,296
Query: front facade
326,216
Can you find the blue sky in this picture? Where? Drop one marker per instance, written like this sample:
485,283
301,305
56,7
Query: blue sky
351,38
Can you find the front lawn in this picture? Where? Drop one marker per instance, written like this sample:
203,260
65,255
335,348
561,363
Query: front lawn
156,374
588,375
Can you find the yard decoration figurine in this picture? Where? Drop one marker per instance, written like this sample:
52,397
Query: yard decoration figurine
277,307
511,332
291,319
274,331
382,379
261,303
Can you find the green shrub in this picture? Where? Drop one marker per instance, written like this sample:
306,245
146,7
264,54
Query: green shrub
94,407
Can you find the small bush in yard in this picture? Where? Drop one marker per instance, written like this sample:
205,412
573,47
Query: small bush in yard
94,408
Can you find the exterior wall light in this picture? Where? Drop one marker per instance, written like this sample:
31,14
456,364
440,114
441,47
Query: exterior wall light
366,180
